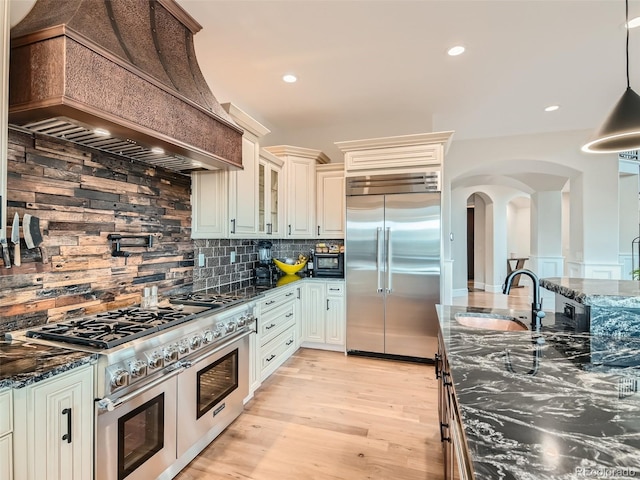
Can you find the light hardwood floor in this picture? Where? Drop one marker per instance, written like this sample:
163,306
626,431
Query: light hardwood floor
327,416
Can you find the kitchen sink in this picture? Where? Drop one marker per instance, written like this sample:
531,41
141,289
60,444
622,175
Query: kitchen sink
490,321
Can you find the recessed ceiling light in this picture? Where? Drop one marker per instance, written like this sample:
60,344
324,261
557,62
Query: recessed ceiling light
102,132
457,50
552,108
158,150
289,78
634,22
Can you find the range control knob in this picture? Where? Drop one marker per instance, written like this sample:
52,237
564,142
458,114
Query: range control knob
155,360
170,354
217,333
242,321
207,336
183,347
231,326
195,342
120,378
138,369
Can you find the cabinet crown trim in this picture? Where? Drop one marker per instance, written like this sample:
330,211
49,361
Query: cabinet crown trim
443,138
284,150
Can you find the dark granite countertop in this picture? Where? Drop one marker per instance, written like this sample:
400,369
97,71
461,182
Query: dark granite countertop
24,363
593,291
559,405
249,289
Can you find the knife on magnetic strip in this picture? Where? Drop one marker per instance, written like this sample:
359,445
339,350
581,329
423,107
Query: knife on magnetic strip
15,239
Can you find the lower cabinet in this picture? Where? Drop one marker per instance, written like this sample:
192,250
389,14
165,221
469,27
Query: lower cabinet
6,435
324,315
457,465
277,330
53,430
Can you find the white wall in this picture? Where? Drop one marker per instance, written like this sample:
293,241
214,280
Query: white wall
526,164
518,229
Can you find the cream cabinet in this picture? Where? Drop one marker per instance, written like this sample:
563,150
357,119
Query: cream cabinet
324,318
209,205
314,309
270,204
399,154
225,204
243,184
6,436
330,201
300,186
276,329
53,428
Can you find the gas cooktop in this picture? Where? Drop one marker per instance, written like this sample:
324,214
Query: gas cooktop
203,299
109,329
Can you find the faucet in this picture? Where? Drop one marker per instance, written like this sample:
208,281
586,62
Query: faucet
536,307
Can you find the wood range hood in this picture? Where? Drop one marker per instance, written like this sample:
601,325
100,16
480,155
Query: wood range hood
120,76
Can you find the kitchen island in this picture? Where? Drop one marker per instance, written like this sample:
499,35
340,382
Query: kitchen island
544,405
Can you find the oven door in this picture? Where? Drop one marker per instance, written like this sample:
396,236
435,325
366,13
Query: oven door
137,439
211,393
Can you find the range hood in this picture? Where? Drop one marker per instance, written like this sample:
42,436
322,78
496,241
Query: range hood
120,76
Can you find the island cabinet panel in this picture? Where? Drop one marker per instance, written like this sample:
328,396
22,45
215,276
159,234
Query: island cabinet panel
53,436
455,457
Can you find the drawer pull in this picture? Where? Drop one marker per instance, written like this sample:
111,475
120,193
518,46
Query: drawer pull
289,342
334,289
271,357
270,302
67,436
269,327
289,294
289,315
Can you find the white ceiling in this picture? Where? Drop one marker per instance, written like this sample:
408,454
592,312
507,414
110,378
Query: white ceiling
373,68
378,68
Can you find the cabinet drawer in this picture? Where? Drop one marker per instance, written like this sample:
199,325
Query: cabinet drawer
276,299
6,407
335,289
276,321
274,354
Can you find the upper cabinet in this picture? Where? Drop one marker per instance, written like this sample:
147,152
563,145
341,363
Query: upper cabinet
243,184
226,203
399,154
300,189
270,204
330,200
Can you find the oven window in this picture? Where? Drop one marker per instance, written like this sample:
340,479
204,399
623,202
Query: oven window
216,381
327,262
140,435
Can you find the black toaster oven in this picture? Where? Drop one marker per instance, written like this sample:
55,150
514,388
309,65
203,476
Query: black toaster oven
328,265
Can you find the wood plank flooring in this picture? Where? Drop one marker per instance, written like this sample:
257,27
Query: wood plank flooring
324,415
327,416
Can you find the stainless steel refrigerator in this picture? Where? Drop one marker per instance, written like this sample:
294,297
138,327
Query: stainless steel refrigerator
392,265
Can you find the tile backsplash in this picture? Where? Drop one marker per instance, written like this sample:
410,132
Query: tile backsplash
218,270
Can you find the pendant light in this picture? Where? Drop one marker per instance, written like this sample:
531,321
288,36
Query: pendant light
621,130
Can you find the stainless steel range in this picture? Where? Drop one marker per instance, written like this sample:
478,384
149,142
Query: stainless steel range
168,380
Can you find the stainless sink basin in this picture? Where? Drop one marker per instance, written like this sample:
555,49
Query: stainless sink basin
490,321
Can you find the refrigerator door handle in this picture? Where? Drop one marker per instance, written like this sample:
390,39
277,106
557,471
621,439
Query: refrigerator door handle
388,259
378,260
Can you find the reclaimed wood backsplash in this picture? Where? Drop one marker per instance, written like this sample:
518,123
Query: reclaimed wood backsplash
81,196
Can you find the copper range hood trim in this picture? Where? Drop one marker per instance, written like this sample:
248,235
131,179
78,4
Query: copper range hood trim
63,69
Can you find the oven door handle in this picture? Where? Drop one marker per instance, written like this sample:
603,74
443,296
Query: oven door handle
216,348
110,405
